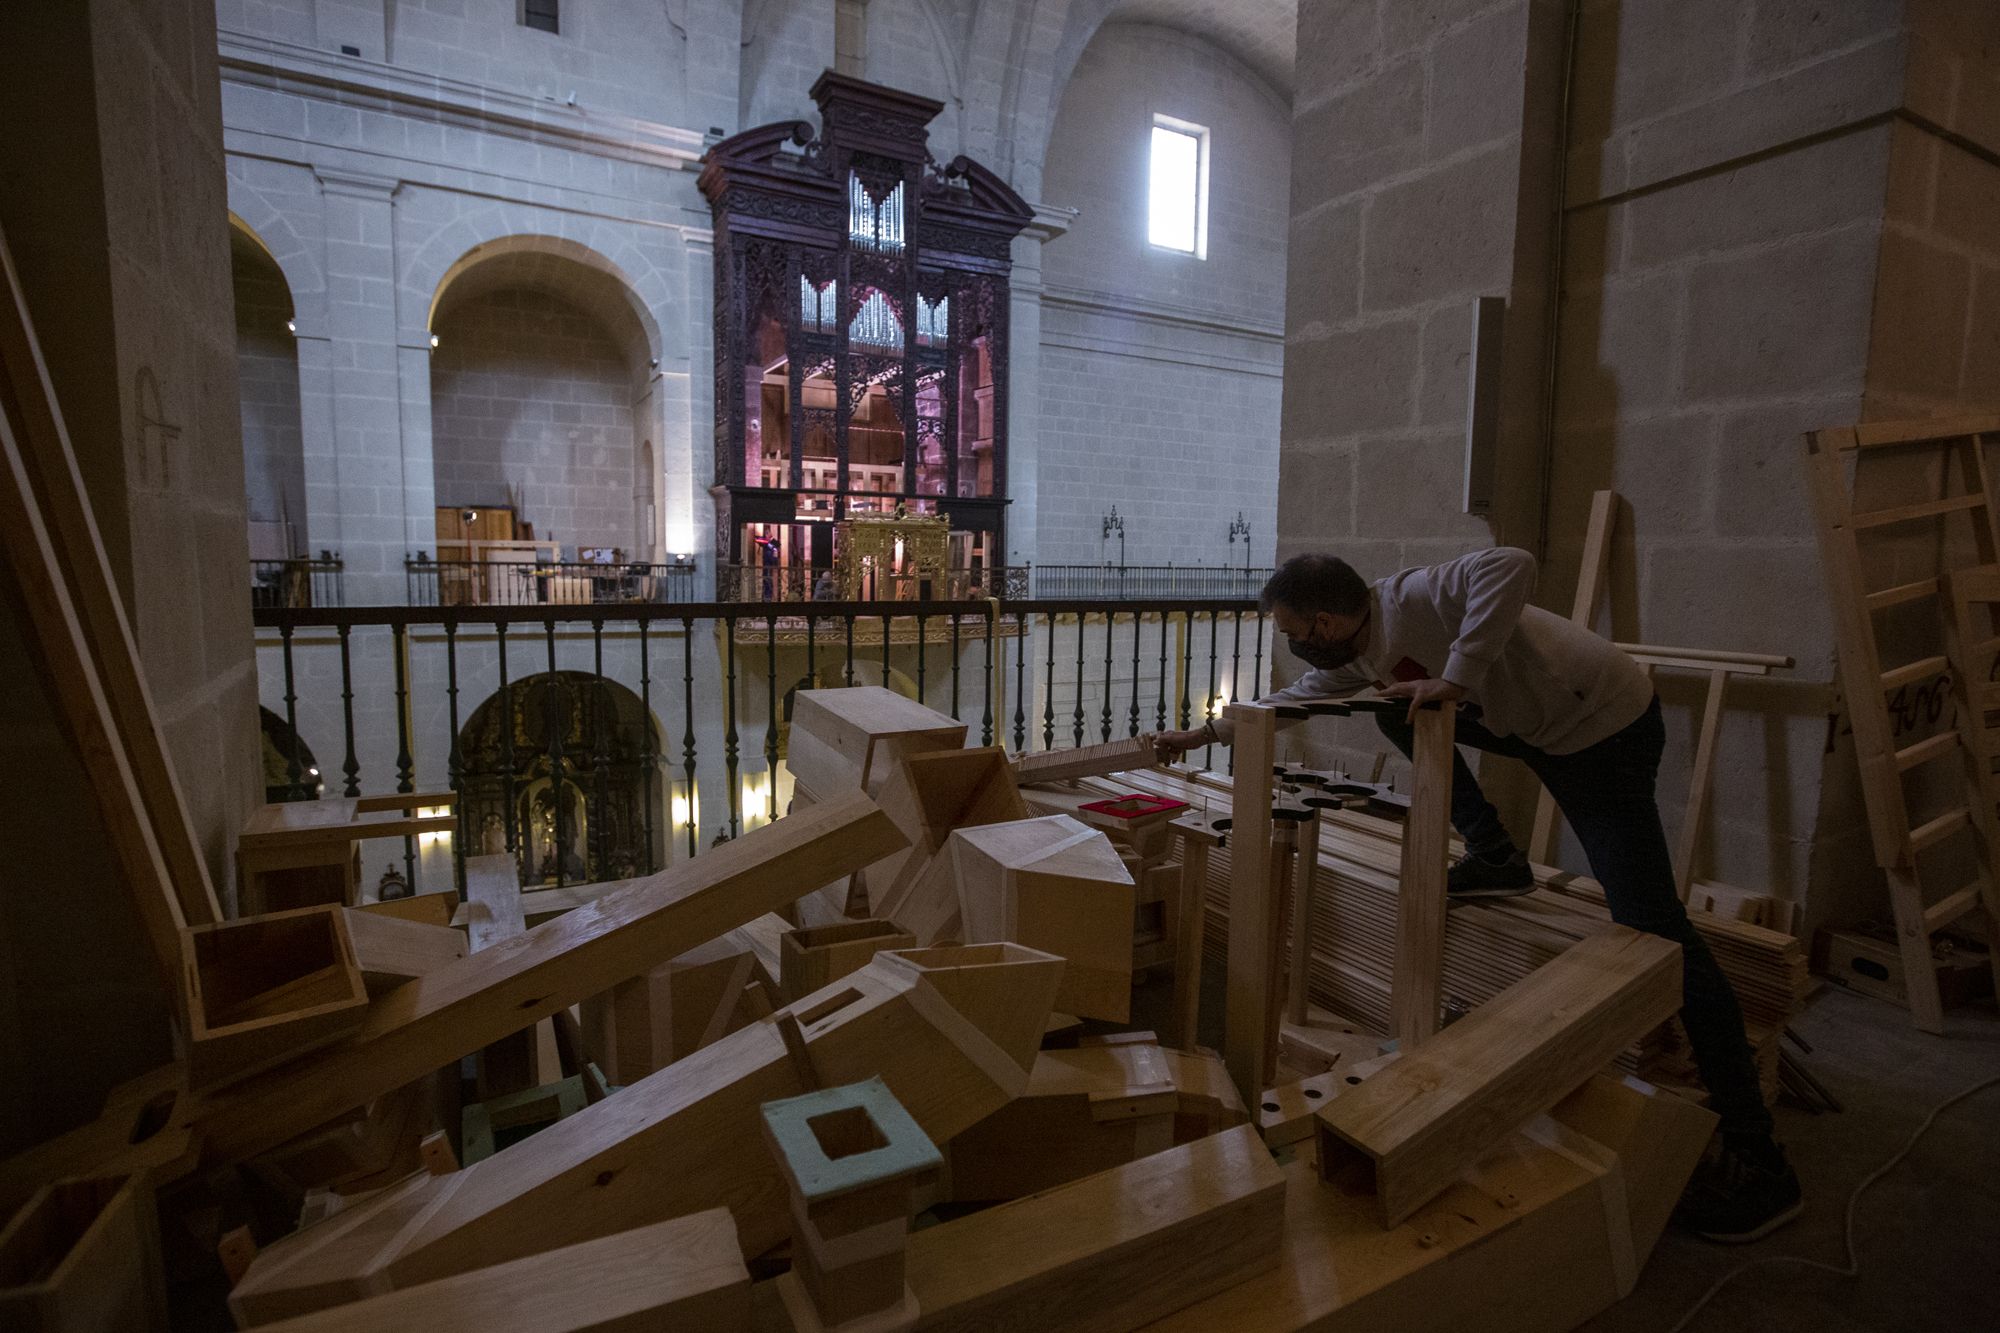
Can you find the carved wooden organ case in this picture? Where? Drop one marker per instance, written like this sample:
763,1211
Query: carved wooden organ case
861,300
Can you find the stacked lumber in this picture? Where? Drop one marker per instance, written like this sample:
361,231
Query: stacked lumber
1488,946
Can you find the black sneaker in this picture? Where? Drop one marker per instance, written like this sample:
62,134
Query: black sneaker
1741,1195
1477,876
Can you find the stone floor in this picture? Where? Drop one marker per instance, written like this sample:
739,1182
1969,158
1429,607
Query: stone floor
1928,1232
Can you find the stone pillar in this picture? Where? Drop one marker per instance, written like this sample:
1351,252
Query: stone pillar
113,202
370,372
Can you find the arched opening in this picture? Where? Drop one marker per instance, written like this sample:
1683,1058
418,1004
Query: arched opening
267,363
558,768
540,398
290,771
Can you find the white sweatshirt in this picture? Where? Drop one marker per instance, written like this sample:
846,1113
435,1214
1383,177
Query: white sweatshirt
1532,673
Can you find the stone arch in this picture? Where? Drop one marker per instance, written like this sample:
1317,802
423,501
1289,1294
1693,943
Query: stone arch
273,431
258,221
541,389
529,762
620,274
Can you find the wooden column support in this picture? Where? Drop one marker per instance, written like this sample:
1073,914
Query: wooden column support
1253,977
1420,905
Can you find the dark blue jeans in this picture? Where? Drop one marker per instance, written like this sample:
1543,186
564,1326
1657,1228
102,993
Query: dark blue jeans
1606,793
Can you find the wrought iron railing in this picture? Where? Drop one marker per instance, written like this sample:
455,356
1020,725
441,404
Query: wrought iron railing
297,582
544,583
595,742
1150,582
771,583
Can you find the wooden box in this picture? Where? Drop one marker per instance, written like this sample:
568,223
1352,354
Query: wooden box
822,955
847,738
1055,885
1874,967
265,989
82,1255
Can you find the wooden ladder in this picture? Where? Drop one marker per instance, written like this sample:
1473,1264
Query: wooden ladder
1889,571
1972,644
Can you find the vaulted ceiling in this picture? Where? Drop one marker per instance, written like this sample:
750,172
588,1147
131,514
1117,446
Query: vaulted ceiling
1260,33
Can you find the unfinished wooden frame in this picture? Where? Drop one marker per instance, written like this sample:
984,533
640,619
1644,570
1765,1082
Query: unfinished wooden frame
459,1009
951,1031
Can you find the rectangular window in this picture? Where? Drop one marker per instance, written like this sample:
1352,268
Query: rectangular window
1177,191
541,14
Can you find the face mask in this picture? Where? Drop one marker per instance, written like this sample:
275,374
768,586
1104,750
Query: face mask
1327,656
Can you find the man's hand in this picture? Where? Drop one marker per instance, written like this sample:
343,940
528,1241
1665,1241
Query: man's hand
1421,692
1171,745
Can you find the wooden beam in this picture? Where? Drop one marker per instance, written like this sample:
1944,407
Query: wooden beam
1111,1251
457,1010
1087,761
951,1031
1253,978
1482,1256
1196,837
686,1274
1426,856
1410,1131
1703,774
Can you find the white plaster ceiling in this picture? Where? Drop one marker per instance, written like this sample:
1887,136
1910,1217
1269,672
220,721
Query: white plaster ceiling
1263,34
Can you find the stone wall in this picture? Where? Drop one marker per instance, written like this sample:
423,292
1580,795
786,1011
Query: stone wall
1771,221
531,402
1160,371
112,200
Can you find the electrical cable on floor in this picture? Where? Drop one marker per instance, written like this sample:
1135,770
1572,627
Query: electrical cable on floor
1853,1267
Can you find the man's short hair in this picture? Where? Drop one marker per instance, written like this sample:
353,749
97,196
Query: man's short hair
1310,584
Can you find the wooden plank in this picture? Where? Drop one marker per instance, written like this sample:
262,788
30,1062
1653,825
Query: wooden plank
492,900
1085,761
951,1031
431,909
1416,1127
1950,504
1420,908
1912,672
457,1010
41,475
1703,774
1924,430
1195,837
1252,980
683,1274
1934,747
1901,594
82,1256
1111,1251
